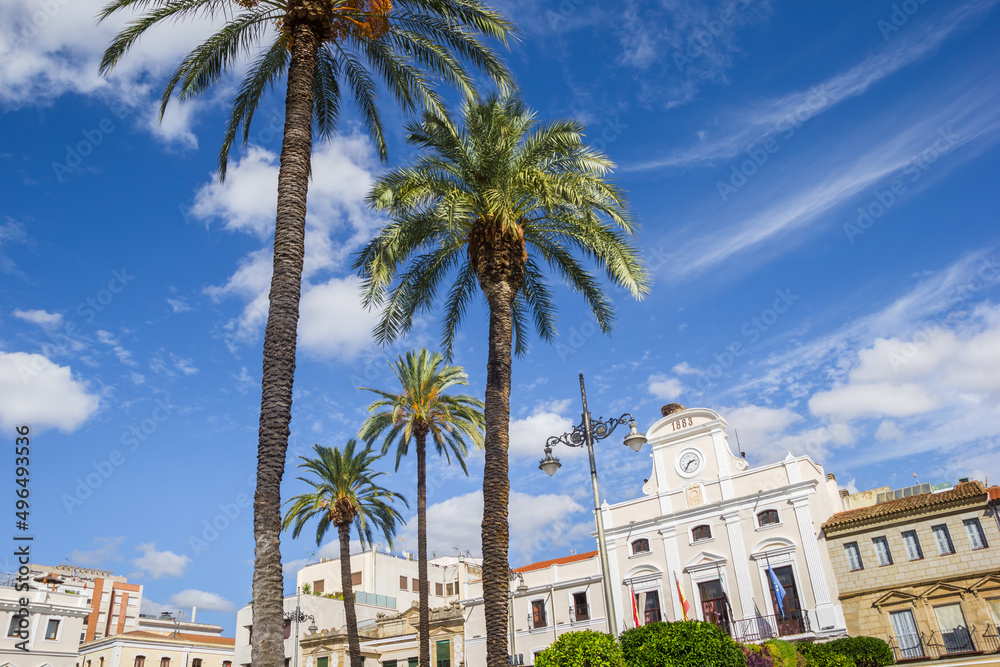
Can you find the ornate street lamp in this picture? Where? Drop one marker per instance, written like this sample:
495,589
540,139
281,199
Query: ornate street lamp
296,617
584,435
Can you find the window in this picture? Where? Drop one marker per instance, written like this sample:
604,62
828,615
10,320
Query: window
994,605
853,556
355,578
196,662
288,628
319,586
439,589
140,660
52,629
414,585
227,663
402,583
767,518
913,551
538,614
640,546
164,662
954,630
389,663
651,609
443,653
975,532
943,539
323,662
699,533
882,552
581,610
15,625
451,589
906,634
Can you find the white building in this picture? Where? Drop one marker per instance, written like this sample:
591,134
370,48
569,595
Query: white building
383,583
705,521
49,626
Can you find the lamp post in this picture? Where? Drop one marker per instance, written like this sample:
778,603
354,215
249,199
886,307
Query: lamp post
584,435
297,617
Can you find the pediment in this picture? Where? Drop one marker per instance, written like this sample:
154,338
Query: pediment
941,590
704,559
988,582
894,597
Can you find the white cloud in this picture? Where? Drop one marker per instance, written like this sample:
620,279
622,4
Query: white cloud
203,600
159,564
37,392
107,550
528,434
872,400
40,317
665,387
537,523
124,356
888,431
178,306
333,322
758,425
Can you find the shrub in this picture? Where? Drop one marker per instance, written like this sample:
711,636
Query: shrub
760,656
786,655
864,651
823,655
680,644
582,649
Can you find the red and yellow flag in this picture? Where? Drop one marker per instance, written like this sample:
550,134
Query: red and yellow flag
635,607
685,605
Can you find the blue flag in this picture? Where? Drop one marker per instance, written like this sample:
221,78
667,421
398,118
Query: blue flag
779,590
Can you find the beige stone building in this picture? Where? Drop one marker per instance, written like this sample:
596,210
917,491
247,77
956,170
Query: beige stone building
922,572
142,648
391,641
49,626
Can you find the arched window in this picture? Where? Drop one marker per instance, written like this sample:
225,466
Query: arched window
640,546
196,662
164,662
140,661
767,518
699,533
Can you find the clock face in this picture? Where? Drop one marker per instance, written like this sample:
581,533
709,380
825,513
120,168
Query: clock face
689,462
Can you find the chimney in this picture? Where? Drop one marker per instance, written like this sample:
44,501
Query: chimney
671,408
194,611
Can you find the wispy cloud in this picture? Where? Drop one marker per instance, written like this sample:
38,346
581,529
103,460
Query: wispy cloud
770,117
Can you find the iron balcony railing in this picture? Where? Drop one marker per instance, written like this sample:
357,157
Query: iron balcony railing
759,628
960,641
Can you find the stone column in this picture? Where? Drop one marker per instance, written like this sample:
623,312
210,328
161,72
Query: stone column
741,566
826,615
673,567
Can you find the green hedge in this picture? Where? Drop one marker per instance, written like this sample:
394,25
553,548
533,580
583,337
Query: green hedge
822,655
864,651
786,655
582,649
680,644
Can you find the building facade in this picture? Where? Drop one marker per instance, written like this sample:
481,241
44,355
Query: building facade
707,524
42,627
922,572
142,648
114,603
715,527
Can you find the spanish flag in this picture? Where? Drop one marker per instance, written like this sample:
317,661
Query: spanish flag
685,605
635,607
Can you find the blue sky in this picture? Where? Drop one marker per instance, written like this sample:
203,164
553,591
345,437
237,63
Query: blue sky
816,187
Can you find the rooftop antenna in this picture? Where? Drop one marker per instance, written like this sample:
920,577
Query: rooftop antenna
742,453
915,478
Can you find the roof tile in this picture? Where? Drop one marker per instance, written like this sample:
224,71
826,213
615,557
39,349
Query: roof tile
541,565
963,491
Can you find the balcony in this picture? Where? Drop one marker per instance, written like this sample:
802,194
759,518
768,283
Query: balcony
961,641
759,628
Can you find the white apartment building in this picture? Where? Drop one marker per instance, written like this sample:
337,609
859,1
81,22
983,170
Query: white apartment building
383,583
52,627
705,521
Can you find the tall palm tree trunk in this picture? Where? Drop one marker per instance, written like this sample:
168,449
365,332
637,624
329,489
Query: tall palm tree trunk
424,623
279,349
353,642
496,484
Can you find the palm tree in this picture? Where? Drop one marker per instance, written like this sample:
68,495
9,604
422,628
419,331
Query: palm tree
420,409
487,204
324,47
344,494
